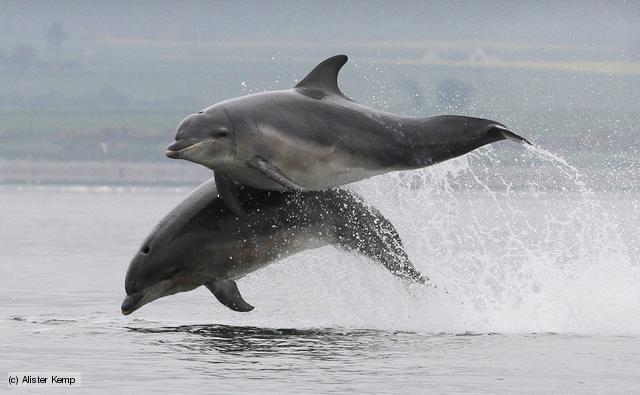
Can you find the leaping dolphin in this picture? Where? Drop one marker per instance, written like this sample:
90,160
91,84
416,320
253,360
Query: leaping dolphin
200,242
313,137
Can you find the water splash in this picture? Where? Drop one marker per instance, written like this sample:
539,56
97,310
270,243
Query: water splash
523,248
569,171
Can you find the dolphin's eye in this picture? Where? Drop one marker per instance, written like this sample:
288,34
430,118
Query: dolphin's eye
200,112
145,250
220,133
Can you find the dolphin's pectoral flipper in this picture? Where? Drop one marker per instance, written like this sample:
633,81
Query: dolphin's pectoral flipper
368,232
269,170
227,293
228,192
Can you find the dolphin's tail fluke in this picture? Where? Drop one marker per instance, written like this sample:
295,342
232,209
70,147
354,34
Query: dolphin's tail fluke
509,135
366,231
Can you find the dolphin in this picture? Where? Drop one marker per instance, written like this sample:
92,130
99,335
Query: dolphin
313,137
201,242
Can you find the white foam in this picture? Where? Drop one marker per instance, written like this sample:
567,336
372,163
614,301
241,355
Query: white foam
547,258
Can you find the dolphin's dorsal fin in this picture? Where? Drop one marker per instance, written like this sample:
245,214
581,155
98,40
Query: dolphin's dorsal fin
325,75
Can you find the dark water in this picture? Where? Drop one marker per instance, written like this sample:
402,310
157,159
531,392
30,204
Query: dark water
537,291
147,356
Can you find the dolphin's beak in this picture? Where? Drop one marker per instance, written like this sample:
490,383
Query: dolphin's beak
131,303
173,150
161,289
172,154
177,147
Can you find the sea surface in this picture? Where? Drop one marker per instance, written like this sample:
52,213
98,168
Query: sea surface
535,287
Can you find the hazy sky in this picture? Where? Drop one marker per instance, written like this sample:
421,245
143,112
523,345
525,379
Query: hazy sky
139,67
583,22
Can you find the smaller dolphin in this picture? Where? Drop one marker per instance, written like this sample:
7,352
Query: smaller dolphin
200,242
313,137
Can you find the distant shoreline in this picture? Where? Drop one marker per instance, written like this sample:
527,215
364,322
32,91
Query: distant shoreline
23,172
172,173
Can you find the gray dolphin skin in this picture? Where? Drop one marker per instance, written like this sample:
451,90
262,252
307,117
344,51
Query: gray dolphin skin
313,137
201,242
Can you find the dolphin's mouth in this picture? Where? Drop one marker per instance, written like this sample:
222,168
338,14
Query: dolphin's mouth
177,148
138,299
158,290
132,303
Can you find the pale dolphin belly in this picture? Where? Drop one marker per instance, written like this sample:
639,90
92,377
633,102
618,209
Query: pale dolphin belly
309,164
